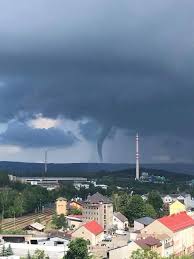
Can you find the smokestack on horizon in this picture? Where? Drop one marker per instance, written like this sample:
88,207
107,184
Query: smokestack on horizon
137,157
45,164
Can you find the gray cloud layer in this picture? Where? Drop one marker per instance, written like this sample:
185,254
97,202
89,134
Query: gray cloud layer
22,135
128,64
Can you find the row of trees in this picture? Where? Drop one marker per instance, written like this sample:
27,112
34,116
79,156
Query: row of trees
134,206
6,251
18,201
149,254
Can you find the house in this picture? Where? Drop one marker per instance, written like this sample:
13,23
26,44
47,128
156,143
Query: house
167,199
125,252
75,204
90,231
122,252
179,227
167,245
61,206
176,207
120,221
142,223
74,221
99,208
150,243
36,227
189,201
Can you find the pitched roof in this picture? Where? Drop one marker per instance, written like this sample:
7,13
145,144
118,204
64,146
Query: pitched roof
177,202
120,216
145,220
37,226
97,198
148,242
177,222
94,227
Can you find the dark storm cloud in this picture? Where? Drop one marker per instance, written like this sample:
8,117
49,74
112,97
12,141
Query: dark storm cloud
128,64
90,130
22,135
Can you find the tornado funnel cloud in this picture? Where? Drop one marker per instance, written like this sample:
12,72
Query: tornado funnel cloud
104,133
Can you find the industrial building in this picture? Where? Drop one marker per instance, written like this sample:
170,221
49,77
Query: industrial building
46,181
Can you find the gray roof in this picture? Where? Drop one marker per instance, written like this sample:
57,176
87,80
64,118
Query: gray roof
120,216
97,198
145,220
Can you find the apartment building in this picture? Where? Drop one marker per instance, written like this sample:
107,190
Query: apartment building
99,208
180,231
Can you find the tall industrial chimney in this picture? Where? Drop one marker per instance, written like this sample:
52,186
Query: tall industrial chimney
45,164
137,157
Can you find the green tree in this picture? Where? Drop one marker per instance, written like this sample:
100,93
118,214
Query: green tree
135,208
3,251
75,211
9,250
155,200
149,210
39,254
4,179
59,221
77,249
122,203
145,254
18,205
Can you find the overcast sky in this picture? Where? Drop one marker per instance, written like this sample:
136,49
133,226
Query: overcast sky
77,73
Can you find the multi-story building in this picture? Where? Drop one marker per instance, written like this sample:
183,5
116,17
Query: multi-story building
61,206
99,208
180,231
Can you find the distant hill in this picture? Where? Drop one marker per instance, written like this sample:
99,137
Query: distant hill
81,169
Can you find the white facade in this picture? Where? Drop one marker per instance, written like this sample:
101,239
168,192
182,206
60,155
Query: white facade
167,199
189,201
123,252
78,186
120,224
83,232
138,226
54,252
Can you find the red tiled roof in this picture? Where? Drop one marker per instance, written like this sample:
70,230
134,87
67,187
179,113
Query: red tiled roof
93,227
177,222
